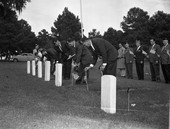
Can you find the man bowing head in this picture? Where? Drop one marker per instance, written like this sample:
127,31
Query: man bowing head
101,48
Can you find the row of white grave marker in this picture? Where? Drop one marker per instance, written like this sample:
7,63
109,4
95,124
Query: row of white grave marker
108,84
31,68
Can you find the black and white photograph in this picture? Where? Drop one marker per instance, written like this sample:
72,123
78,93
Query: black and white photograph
84,64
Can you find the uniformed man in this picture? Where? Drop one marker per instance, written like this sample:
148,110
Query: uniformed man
154,56
129,57
165,60
139,60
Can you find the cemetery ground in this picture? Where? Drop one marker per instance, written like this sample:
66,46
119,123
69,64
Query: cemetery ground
27,102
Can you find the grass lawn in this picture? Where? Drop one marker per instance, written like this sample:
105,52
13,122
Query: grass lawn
27,102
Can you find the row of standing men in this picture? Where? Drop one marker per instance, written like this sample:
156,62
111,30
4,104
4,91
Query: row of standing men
156,56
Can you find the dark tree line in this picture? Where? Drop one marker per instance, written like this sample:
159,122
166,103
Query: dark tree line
139,25
15,35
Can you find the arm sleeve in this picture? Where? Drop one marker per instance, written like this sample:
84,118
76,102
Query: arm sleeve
79,53
158,50
95,57
103,53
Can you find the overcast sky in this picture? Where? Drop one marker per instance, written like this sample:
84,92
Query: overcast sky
97,14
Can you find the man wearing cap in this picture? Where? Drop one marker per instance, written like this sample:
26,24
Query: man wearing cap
101,47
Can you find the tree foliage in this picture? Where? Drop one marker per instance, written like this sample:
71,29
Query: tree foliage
159,25
43,37
16,5
66,26
15,34
135,20
135,26
94,33
113,36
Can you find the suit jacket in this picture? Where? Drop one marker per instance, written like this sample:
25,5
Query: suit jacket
104,49
52,54
128,56
64,52
83,54
139,56
165,58
153,58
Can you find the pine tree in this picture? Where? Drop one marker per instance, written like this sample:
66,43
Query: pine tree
66,26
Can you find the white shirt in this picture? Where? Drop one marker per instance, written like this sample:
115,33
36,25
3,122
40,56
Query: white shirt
92,45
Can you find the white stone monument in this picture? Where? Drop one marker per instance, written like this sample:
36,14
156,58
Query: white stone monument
28,67
33,67
39,69
47,70
108,93
58,74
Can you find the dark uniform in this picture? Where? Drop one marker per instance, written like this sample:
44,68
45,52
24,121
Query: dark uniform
165,62
83,57
139,56
64,50
108,53
52,56
154,54
129,57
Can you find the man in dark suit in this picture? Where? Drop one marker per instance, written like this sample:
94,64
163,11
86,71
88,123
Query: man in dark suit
165,60
154,55
65,51
82,59
129,57
52,56
139,57
101,47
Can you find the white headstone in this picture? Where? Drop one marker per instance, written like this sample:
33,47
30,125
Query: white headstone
28,67
58,74
108,93
33,68
39,69
47,70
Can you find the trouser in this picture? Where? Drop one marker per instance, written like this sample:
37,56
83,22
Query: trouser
52,62
140,70
110,68
155,71
122,72
81,73
129,70
67,69
166,72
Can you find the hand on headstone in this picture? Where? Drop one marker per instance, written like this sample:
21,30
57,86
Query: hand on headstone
102,67
87,68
